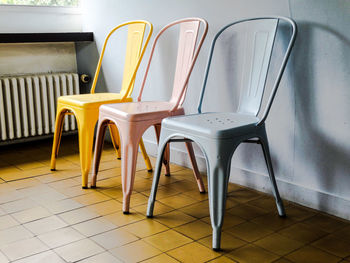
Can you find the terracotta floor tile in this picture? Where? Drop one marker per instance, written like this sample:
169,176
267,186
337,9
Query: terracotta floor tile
195,230
247,211
46,224
302,233
159,208
228,242
43,257
7,221
311,255
193,252
177,201
326,223
42,200
79,250
3,258
31,214
60,237
197,210
61,206
174,219
14,234
249,231
94,226
105,257
136,199
273,221
91,198
145,228
114,238
168,240
127,253
229,221
278,244
195,194
333,245
23,248
162,192
343,234
298,213
78,215
18,205
119,219
107,207
251,253
222,259
162,258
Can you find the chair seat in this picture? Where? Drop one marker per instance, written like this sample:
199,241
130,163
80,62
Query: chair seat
216,125
92,100
141,111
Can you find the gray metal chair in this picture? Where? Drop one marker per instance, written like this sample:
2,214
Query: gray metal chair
219,134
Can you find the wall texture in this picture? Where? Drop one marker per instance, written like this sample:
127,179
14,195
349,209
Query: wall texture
308,126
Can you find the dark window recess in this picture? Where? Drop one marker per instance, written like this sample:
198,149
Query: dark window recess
46,37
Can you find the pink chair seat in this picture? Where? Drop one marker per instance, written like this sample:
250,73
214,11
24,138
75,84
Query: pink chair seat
133,119
141,111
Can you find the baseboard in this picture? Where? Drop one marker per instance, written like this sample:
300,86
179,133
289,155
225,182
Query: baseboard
313,198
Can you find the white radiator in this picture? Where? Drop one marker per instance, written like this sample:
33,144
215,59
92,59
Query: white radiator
28,104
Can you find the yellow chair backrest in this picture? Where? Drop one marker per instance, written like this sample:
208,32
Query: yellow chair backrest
134,53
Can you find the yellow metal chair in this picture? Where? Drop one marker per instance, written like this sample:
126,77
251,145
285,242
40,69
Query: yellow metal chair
85,107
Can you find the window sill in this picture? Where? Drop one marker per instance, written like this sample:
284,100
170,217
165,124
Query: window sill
40,9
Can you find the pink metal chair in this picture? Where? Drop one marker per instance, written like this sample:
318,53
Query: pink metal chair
133,119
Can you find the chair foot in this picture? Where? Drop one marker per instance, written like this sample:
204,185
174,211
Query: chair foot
283,216
217,249
126,212
150,170
167,175
85,187
93,186
203,192
149,216
119,158
53,169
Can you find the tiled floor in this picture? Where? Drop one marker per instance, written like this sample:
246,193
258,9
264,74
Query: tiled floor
46,217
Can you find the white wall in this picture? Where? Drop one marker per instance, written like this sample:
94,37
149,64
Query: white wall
308,126
36,58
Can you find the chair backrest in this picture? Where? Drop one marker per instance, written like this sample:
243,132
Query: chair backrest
188,50
258,44
134,53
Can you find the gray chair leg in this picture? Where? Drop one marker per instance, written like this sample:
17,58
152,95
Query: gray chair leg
156,176
266,150
218,176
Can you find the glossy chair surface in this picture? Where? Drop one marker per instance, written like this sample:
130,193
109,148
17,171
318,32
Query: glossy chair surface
85,107
132,119
218,134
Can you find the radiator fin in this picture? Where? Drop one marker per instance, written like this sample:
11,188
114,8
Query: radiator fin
28,104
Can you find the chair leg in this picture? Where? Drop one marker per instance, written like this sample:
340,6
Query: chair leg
115,139
156,176
266,150
57,138
129,144
166,155
100,135
86,124
196,172
218,176
145,156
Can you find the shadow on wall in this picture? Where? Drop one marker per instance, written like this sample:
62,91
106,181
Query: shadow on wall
322,108
87,59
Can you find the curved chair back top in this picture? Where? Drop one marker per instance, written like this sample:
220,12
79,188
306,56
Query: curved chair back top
258,46
188,50
134,53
